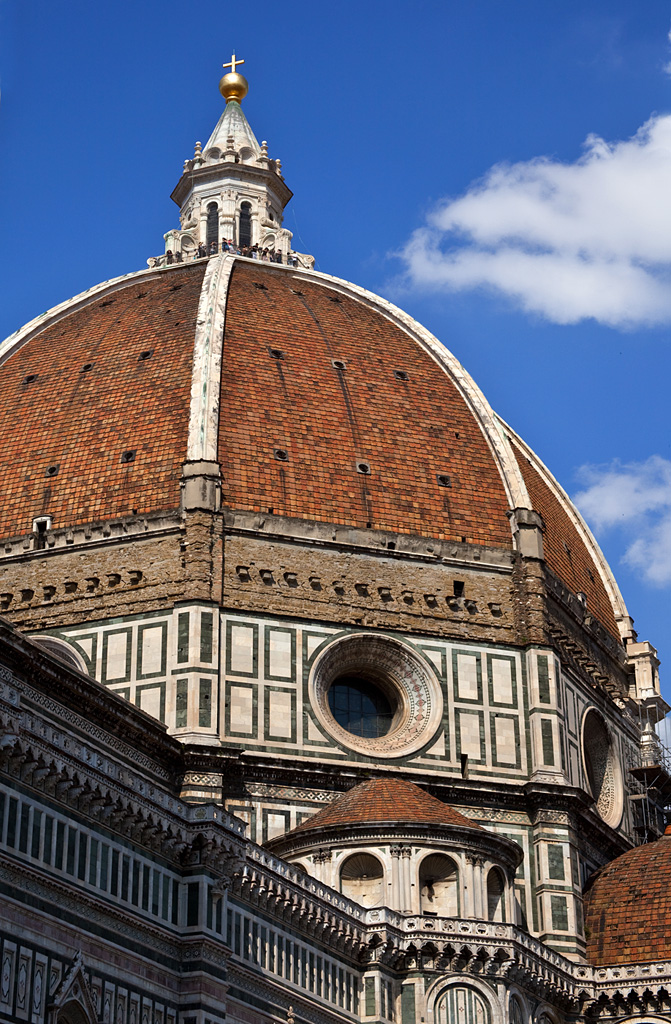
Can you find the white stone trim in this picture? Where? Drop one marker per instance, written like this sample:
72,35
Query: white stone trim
207,356
617,601
19,338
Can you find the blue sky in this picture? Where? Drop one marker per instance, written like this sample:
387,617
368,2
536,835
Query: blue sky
438,156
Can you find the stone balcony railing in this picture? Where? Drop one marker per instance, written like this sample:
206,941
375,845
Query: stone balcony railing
300,260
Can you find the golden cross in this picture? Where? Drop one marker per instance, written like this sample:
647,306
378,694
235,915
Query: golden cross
233,64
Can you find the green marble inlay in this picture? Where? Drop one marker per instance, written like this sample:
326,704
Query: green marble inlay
556,862
369,997
181,703
543,679
559,912
206,626
205,704
548,742
183,637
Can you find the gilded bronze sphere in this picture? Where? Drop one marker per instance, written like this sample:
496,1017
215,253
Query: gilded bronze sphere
233,87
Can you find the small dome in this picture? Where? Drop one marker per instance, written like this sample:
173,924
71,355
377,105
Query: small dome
628,907
386,800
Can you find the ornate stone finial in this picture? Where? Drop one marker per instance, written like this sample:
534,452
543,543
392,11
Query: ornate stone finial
233,86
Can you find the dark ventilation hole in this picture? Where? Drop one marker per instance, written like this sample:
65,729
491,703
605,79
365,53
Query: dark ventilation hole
281,454
51,470
86,367
276,353
175,287
457,434
339,364
458,588
107,302
335,298
31,378
401,375
391,545
147,354
260,285
443,480
295,291
141,295
128,456
363,467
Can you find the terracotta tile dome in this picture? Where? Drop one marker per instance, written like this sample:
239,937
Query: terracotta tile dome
329,405
83,395
628,907
386,800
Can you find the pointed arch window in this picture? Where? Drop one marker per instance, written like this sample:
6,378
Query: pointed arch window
212,225
245,233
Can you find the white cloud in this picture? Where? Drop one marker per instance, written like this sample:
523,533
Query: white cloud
568,241
634,498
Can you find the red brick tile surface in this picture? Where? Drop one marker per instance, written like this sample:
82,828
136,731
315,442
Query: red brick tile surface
628,907
83,421
565,552
328,420
390,800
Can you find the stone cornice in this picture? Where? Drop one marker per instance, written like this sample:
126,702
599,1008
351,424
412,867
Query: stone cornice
224,171
93,535
475,840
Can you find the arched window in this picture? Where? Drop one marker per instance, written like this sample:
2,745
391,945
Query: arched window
212,225
62,650
517,1015
245,234
439,886
362,879
462,1005
496,910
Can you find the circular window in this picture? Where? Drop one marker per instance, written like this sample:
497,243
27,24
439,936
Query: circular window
602,768
361,706
375,695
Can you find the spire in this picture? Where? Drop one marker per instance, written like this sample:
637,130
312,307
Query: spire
233,124
232,191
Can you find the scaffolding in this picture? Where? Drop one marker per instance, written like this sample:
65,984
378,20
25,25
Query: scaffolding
651,781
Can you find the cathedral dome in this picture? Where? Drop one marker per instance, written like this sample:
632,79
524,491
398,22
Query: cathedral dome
628,907
318,401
